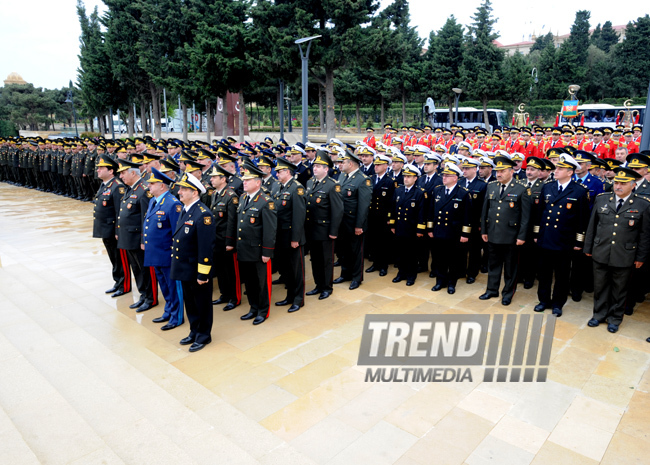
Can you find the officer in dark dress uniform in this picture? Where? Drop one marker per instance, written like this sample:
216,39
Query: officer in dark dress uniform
193,243
256,231
324,215
380,237
229,163
407,222
504,225
290,241
429,180
107,207
529,252
618,240
133,208
449,225
476,188
560,222
159,225
270,185
356,190
304,171
226,267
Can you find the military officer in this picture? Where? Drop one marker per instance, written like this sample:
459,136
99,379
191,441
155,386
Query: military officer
226,267
476,188
133,208
270,185
159,225
429,180
560,222
304,171
640,162
449,225
256,230
380,238
529,253
618,240
193,243
290,240
229,163
356,190
504,224
107,207
408,222
324,215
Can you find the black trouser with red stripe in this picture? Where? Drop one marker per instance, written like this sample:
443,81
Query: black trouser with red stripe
198,307
145,276
291,264
110,244
226,269
322,263
257,278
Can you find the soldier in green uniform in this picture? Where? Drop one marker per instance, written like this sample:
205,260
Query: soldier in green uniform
618,240
504,225
270,185
324,215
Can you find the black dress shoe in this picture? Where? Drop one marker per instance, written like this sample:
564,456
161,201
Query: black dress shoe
293,308
276,281
410,282
576,297
354,285
137,304
168,326
111,290
470,280
540,307
228,307
506,301
119,293
436,288
160,319
282,303
313,291
340,280
383,272
557,311
336,263
259,319
196,347
593,323
144,307
484,269
432,274
451,290
397,279
647,339
487,296
371,269
248,316
612,328
186,341
528,285
219,301
629,311
324,295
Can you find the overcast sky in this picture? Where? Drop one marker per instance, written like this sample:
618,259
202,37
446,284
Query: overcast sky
40,38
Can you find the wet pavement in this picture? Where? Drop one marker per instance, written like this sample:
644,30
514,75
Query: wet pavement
84,379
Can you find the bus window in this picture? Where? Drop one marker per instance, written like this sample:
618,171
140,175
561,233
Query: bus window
442,117
493,120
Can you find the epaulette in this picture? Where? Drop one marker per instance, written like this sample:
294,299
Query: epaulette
493,182
582,185
203,210
605,193
464,188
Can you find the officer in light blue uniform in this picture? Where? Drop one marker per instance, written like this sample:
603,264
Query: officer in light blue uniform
159,224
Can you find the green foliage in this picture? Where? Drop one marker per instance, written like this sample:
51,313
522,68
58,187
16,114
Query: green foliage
443,60
632,70
607,37
8,129
89,134
542,42
516,79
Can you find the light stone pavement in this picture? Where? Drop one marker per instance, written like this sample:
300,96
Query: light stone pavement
85,380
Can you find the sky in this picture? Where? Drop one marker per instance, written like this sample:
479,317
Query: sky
39,39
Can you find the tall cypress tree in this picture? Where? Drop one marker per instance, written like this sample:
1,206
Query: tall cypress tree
633,59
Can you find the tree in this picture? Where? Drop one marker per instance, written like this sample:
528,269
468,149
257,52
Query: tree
482,59
607,37
549,84
541,42
595,36
26,106
443,61
633,60
517,79
600,68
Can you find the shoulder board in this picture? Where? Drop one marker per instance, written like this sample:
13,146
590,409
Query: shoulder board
493,182
203,210
582,185
464,188
608,193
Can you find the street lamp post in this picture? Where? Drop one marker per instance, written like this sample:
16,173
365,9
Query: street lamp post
457,91
304,57
288,99
71,100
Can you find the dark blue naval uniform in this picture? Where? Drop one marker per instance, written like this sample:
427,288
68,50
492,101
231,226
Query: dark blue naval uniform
408,220
159,224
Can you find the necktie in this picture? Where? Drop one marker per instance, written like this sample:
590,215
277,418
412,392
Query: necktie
503,188
559,190
530,184
247,200
447,192
620,204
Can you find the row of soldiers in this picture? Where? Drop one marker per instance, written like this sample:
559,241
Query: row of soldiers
443,207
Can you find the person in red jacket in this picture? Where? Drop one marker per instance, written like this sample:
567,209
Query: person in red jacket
370,140
629,143
600,147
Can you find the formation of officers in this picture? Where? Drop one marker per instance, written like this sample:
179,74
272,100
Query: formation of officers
180,215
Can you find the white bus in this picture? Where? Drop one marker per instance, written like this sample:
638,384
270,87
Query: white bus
468,117
600,115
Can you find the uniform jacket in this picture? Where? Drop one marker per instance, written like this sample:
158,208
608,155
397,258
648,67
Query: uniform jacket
643,189
505,218
356,191
271,186
236,184
324,209
303,173
224,210
450,215
107,208
159,224
560,220
256,227
133,209
192,244
291,211
476,190
408,212
382,199
595,186
619,238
